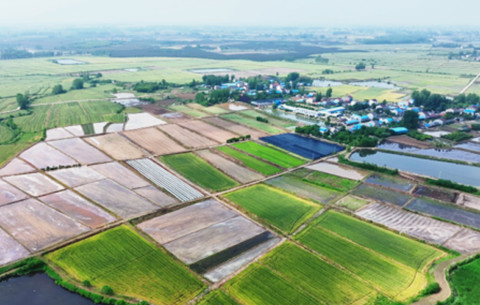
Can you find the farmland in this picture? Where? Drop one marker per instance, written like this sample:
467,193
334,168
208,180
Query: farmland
463,280
325,180
382,195
251,162
338,170
217,297
147,273
276,207
153,140
352,203
269,154
271,119
186,137
252,122
80,151
199,171
207,130
390,182
235,128
117,146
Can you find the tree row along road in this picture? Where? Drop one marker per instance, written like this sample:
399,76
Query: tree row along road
470,84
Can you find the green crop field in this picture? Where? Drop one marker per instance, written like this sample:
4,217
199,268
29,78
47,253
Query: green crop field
283,210
99,92
271,120
464,281
252,122
7,151
217,297
390,277
269,154
255,164
6,134
199,171
325,180
352,203
131,266
404,250
215,110
189,111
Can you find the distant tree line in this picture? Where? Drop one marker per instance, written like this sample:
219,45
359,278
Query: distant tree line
437,102
17,54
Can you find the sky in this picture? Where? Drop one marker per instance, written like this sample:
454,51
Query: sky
241,12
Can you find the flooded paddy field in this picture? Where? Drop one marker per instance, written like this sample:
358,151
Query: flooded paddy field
35,184
390,182
57,134
154,141
382,195
459,173
10,250
235,128
208,130
142,120
80,151
120,174
116,198
117,146
156,196
78,208
436,193
117,127
76,130
36,225
186,137
306,147
76,176
445,211
338,170
9,194
15,167
42,155
469,146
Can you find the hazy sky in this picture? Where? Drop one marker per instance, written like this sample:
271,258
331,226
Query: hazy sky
241,12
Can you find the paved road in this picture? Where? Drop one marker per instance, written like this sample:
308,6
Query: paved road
470,83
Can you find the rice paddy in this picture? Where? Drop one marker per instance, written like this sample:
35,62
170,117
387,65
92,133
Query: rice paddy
249,161
269,154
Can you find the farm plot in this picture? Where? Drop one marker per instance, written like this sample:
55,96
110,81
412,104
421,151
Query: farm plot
76,130
238,172
390,277
42,155
15,167
37,226
269,154
80,151
57,134
116,198
463,280
120,174
390,182
215,110
304,189
352,203
380,194
78,208
76,176
252,122
141,120
9,194
251,113
325,180
207,130
306,147
412,224
186,137
467,241
291,275
199,171
117,127
131,266
276,207
235,128
217,297
249,161
436,193
35,184
99,128
445,211
10,249
469,201
154,141
337,170
117,146
166,180
156,196
195,113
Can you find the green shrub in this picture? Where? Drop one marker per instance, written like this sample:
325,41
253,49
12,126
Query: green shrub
107,290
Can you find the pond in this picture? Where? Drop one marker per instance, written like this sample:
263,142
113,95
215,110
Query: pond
69,62
37,289
464,174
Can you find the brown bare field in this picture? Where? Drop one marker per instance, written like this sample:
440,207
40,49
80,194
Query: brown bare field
156,196
116,198
186,137
207,130
78,208
10,249
76,130
76,176
185,96
80,151
235,128
120,174
469,201
406,140
185,221
154,109
234,170
42,155
36,225
154,141
15,167
35,184
117,146
338,170
57,134
9,194
175,117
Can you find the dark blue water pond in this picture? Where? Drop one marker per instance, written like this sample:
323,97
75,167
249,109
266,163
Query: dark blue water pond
390,182
37,289
303,146
382,195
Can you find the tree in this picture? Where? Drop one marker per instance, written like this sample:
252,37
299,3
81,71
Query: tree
23,101
292,76
58,89
410,119
107,290
329,92
360,66
200,99
77,84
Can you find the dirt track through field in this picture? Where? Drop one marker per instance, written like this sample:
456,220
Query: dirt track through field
470,84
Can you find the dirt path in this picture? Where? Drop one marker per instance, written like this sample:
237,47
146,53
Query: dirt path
440,277
470,84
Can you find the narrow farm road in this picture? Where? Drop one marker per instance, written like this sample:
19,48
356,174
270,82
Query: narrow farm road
470,83
441,278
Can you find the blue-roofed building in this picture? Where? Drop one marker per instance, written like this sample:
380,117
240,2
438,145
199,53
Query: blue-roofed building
364,118
470,111
399,130
351,122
